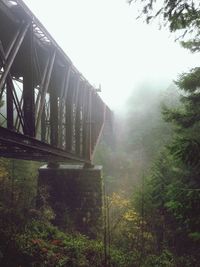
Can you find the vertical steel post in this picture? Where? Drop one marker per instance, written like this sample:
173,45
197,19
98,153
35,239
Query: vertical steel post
94,109
87,126
53,117
84,123
43,126
28,87
78,120
62,107
9,106
69,114
90,127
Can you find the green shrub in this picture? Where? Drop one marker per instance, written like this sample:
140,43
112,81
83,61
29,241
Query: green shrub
43,245
164,260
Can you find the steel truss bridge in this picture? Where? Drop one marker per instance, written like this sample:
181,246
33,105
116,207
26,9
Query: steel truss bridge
48,110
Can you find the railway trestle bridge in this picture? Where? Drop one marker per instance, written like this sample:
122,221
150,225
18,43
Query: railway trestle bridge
48,110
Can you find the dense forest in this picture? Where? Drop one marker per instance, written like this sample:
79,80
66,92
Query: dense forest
151,170
153,193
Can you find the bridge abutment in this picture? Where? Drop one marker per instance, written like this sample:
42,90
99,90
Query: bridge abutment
75,195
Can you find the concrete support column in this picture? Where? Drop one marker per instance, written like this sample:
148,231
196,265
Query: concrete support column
75,195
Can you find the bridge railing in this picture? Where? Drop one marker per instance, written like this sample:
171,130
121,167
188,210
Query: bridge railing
48,108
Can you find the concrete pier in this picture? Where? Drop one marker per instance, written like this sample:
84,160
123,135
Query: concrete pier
75,195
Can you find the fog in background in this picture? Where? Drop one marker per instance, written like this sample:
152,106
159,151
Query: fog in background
135,64
110,47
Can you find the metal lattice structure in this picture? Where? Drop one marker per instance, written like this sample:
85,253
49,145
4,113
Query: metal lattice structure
48,110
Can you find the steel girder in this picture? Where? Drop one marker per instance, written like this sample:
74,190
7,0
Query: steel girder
48,110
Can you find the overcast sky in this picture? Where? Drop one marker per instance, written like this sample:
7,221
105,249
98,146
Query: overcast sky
110,47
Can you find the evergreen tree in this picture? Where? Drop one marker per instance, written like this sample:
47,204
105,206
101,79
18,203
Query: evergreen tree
177,14
173,187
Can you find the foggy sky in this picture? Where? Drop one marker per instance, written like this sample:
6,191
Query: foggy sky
110,47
